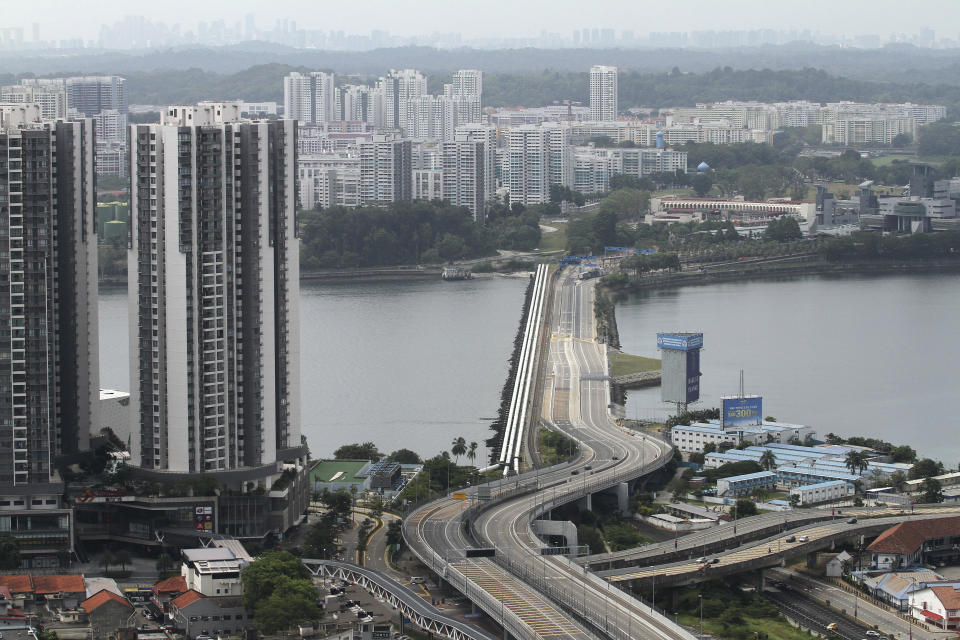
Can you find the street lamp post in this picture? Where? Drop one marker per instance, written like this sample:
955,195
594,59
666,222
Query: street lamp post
700,598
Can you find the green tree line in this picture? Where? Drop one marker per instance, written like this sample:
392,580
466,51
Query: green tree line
410,233
874,246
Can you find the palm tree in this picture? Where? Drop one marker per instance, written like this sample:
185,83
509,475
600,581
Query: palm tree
472,452
459,447
768,459
856,461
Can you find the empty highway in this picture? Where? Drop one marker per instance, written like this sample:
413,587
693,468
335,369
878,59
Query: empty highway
537,596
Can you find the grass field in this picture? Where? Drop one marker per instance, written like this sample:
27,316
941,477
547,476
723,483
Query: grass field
885,160
774,629
623,364
327,469
554,240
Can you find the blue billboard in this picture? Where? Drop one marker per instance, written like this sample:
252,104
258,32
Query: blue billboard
680,341
693,375
739,411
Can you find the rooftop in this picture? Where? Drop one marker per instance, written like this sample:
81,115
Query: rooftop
17,583
235,546
207,554
101,598
751,476
908,537
822,485
95,585
186,599
948,595
59,584
337,470
176,584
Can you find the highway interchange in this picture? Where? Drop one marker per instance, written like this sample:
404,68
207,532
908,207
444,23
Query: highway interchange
550,596
537,596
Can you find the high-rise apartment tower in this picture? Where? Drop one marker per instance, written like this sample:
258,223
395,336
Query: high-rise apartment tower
309,98
49,371
603,93
214,294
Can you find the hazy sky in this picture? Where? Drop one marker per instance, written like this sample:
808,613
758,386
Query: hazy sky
491,18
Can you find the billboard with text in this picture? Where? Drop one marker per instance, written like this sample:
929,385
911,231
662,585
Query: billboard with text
680,341
741,411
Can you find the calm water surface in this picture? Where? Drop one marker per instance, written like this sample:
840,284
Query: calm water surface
402,363
857,355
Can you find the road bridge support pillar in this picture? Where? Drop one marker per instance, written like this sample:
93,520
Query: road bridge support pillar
812,559
563,528
585,503
623,497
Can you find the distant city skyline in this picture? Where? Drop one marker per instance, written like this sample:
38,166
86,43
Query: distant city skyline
53,21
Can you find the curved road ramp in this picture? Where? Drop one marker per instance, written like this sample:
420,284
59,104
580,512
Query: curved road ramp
483,544
409,604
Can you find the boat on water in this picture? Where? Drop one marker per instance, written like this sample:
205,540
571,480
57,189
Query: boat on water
456,273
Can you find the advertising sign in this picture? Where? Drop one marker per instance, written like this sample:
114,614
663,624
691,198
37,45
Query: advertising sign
203,518
693,375
680,341
737,412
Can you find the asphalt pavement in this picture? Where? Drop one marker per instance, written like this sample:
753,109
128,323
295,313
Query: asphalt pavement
863,610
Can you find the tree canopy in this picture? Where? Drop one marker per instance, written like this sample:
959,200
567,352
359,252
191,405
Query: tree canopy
261,577
291,601
783,229
356,451
405,456
411,233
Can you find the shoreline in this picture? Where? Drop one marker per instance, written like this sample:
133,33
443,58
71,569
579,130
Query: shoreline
766,272
361,274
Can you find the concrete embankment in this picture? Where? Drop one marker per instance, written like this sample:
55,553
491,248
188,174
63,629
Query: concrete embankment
638,380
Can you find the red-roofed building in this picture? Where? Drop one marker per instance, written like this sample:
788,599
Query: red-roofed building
107,612
60,592
937,605
10,617
915,542
50,585
185,600
198,615
21,588
166,590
